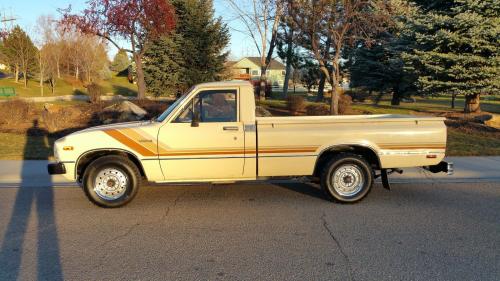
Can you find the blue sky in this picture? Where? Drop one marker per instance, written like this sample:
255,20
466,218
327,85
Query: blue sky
27,12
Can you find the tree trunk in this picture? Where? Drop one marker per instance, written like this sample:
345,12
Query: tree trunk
16,73
472,103
288,69
141,85
41,83
262,88
25,78
53,85
453,97
395,96
321,88
334,103
77,72
41,75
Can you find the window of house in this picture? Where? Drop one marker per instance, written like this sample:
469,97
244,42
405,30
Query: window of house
255,72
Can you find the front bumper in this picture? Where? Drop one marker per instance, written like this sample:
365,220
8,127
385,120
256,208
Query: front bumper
56,169
443,166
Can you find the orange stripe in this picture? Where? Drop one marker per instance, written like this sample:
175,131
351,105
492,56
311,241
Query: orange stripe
117,135
413,147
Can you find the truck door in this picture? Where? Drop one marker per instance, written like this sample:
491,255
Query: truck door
205,141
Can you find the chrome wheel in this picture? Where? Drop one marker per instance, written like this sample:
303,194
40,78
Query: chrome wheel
110,184
348,180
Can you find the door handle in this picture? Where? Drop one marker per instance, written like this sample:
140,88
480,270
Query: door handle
230,128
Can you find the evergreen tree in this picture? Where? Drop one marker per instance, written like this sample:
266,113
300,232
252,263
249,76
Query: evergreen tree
458,49
163,66
197,51
204,40
121,61
20,53
380,66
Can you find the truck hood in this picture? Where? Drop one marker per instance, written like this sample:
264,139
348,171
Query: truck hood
124,125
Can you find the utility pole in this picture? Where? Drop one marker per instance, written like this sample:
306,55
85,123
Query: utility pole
7,21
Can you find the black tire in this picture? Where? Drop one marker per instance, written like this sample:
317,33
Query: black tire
119,164
341,166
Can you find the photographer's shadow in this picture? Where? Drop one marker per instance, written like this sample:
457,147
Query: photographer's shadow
42,198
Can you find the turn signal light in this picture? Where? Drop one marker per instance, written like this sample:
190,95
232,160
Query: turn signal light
431,156
67,148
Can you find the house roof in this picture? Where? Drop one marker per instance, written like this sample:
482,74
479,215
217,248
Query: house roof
274,64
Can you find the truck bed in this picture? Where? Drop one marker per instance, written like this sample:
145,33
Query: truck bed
398,140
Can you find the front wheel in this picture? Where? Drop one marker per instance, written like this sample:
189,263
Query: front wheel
347,178
111,181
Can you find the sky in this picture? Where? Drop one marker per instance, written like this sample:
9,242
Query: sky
27,12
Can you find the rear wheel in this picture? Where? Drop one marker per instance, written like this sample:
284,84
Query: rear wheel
347,178
111,181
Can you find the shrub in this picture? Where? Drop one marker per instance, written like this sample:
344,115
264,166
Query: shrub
15,111
345,102
357,95
316,109
95,91
295,104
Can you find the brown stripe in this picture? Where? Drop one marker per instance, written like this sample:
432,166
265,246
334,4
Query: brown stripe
236,151
289,150
206,152
117,135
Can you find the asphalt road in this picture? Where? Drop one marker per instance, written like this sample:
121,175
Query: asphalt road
279,231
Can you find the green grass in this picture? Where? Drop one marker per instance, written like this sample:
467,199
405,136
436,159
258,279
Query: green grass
462,144
437,104
117,85
19,146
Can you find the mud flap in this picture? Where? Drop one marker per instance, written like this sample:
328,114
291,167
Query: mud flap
385,179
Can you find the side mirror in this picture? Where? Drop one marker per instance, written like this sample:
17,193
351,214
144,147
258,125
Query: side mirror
195,122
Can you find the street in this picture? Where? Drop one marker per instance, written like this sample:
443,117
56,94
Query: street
266,231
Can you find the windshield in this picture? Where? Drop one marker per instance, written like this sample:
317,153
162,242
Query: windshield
171,108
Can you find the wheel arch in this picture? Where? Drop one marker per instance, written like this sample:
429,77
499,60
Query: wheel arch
88,157
367,152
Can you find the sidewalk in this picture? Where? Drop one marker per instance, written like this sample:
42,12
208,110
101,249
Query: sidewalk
467,169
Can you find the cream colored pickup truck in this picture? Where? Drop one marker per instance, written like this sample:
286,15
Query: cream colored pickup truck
211,134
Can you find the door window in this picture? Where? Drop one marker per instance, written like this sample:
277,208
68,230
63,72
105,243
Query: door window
211,106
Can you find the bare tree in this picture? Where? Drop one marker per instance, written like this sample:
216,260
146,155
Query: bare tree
261,19
328,25
93,56
51,50
137,21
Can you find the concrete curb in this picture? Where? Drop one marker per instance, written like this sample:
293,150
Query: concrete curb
82,98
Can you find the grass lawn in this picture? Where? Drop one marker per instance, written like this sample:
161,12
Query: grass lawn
436,104
18,146
463,144
69,86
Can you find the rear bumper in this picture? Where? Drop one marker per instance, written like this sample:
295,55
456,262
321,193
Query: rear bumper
443,166
56,169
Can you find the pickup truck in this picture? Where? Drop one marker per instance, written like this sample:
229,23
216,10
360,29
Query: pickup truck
211,134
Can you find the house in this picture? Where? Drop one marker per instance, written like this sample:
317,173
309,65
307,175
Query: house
248,68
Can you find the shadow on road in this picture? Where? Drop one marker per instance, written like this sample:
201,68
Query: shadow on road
303,188
11,251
